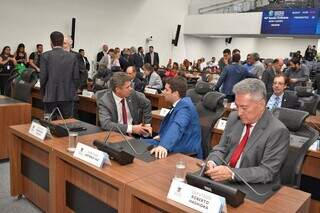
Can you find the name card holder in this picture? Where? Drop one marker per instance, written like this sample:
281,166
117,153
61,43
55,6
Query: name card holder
221,124
37,85
196,198
150,91
233,106
91,155
38,131
87,93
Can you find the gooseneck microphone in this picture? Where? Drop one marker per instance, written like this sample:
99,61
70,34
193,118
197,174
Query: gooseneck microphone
60,114
274,188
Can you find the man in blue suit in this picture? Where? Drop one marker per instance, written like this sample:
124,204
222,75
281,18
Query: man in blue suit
180,128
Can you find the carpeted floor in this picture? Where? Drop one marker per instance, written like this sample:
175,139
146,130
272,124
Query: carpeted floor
10,204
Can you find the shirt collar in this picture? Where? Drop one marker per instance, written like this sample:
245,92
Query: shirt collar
280,96
116,98
175,103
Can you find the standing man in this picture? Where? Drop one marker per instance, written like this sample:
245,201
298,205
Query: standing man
254,143
269,74
104,52
85,60
152,57
257,66
59,77
297,73
180,129
123,107
34,58
225,60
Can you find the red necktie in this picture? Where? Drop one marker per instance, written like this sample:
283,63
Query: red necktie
238,151
124,112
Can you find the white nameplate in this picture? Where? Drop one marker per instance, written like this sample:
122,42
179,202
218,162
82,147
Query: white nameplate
150,91
164,112
91,155
233,106
37,85
221,124
195,198
87,93
38,131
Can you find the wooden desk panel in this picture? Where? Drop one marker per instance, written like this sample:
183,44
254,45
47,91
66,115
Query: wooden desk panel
11,114
157,101
149,194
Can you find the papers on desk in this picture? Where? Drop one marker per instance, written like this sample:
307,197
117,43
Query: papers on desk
315,146
233,106
87,93
164,112
221,124
196,198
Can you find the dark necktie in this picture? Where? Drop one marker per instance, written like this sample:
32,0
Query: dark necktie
124,111
238,151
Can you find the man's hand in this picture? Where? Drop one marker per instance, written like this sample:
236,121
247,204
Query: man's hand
159,152
219,173
293,80
140,129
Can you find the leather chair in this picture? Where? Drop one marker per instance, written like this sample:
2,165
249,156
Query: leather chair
301,138
196,94
309,101
209,110
21,87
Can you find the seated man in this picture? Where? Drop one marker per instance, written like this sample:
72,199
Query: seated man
124,107
180,128
280,98
153,80
136,83
254,143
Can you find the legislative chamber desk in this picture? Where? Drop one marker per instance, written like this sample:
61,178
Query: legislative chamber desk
87,107
50,177
12,112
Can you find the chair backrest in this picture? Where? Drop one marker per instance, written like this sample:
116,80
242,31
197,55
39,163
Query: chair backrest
301,138
196,94
309,104
22,90
209,110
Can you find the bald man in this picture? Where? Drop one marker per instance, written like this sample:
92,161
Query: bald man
270,73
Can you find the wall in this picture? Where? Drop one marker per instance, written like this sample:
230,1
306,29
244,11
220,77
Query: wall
122,23
267,48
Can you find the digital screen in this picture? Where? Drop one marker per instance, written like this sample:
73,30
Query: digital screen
291,22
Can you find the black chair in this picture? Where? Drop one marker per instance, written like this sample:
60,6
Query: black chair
308,100
98,96
196,94
209,110
301,138
22,85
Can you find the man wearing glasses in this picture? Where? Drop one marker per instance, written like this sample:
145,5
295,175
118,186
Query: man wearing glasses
280,98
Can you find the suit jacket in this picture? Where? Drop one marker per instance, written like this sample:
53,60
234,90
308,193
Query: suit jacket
267,78
83,73
147,58
139,107
87,64
138,85
154,81
264,152
100,56
180,129
288,101
59,76
136,60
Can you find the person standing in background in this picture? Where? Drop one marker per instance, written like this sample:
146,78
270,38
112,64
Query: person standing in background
34,58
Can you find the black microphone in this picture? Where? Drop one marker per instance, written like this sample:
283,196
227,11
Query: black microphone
126,140
274,188
60,114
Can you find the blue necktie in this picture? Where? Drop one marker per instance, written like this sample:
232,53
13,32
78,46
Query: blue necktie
276,102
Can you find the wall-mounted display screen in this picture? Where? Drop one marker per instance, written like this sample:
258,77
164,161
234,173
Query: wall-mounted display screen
291,22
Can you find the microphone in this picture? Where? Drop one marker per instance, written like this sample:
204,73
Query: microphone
60,114
203,168
274,188
126,140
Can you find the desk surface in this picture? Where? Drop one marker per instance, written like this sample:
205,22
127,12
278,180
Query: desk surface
153,191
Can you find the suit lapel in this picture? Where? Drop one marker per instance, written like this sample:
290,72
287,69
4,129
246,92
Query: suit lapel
235,138
131,108
113,105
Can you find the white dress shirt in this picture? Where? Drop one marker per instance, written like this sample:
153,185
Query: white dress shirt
119,110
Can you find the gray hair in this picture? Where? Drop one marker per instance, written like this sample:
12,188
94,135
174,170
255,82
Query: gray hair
255,87
255,56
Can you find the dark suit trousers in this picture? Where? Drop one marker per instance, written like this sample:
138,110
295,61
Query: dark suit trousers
66,108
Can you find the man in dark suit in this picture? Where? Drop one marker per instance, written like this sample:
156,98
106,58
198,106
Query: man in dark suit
152,57
254,143
136,83
59,77
85,59
279,97
125,108
102,53
269,74
136,59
